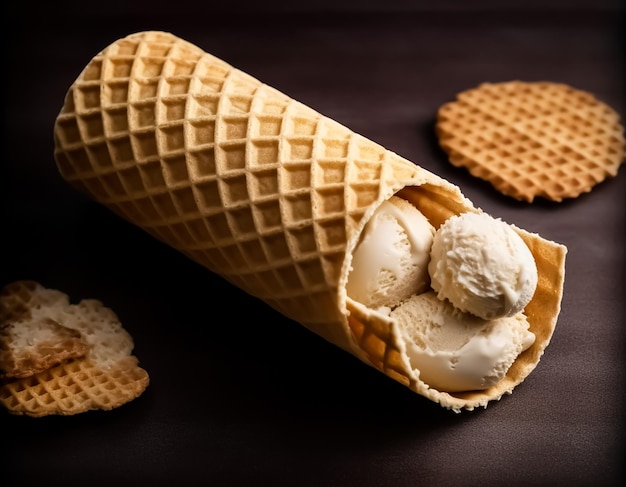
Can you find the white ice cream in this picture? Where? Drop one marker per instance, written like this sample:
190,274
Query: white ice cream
456,351
482,266
390,263
464,333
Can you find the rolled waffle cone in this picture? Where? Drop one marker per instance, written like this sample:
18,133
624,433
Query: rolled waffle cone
260,189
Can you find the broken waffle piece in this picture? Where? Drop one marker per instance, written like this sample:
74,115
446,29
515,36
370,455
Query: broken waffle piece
62,358
532,139
34,345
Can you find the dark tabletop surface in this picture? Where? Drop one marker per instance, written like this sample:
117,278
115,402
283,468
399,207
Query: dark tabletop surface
240,395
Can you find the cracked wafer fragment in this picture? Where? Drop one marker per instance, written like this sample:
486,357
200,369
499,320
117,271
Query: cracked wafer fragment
30,346
82,355
263,191
532,139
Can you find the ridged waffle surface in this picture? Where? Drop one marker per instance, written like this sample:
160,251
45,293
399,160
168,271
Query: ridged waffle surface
74,387
255,186
104,376
241,178
532,140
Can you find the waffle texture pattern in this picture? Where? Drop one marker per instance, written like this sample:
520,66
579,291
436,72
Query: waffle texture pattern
532,140
251,184
102,375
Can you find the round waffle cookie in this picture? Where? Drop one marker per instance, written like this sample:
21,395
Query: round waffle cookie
532,139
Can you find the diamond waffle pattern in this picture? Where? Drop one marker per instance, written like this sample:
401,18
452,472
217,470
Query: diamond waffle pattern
533,139
259,189
241,178
107,377
73,387
378,336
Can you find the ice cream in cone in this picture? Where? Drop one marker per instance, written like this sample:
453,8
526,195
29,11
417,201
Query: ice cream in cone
262,190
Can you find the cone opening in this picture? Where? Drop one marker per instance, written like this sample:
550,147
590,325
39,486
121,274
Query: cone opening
380,341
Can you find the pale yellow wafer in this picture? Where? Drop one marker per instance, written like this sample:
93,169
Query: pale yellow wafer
260,189
532,139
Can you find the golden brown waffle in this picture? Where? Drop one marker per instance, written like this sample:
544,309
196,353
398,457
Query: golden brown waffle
74,387
256,187
30,340
532,140
84,359
30,346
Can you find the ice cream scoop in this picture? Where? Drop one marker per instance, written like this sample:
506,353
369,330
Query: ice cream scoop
482,266
456,351
390,262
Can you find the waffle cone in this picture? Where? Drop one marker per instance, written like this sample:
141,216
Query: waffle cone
260,189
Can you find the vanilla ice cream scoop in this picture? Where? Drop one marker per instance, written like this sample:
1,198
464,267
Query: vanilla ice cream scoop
390,262
456,351
482,266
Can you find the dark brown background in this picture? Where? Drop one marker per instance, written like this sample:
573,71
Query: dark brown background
242,396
